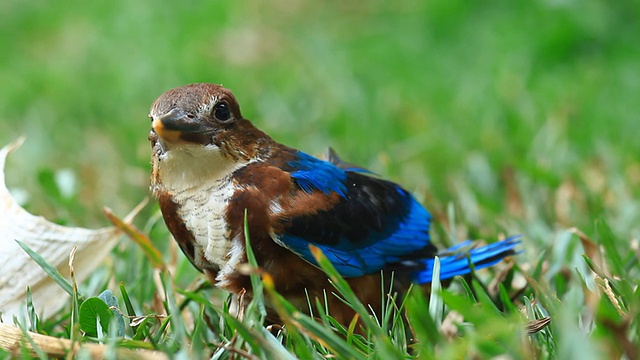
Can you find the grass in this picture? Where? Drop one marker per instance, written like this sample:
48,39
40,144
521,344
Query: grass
517,117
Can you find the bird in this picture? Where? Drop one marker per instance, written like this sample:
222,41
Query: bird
212,170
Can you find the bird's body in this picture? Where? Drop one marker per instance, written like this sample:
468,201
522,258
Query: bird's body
210,165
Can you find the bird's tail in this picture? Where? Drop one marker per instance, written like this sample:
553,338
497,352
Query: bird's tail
461,258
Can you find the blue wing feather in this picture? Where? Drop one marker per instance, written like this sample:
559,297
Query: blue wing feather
375,225
457,260
314,174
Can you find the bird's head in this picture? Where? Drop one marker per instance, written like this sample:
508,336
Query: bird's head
200,126
194,113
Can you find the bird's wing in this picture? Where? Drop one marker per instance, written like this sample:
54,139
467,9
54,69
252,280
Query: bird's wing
365,223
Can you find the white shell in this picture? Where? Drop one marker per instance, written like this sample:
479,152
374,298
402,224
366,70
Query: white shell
53,242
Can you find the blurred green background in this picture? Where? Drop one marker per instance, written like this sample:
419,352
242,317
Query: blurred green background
522,114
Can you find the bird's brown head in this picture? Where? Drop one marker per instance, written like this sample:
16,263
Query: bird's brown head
194,113
198,134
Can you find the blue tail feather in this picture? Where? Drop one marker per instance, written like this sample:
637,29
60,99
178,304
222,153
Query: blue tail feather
457,259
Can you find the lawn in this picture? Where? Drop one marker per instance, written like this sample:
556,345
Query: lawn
501,117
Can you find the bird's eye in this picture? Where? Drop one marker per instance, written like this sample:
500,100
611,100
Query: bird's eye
221,112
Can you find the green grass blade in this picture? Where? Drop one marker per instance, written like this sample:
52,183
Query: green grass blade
436,305
51,270
297,321
34,321
385,347
35,348
424,328
257,302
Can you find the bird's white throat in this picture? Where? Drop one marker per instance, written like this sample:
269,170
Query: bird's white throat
188,166
200,182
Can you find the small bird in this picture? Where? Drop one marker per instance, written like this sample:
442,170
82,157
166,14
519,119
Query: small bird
210,164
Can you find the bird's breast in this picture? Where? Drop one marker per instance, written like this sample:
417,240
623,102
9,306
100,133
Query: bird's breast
203,210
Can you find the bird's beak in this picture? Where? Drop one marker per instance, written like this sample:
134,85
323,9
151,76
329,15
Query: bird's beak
171,125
